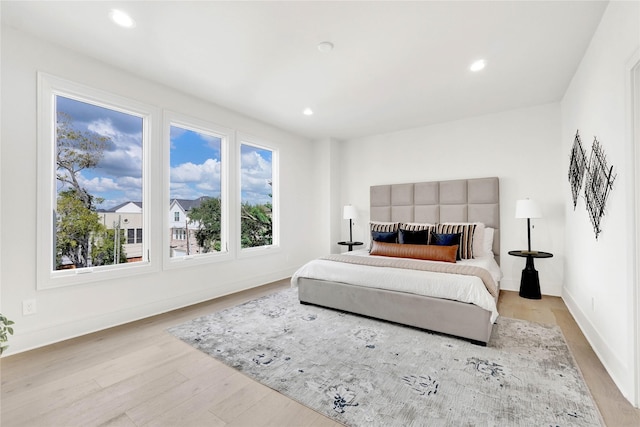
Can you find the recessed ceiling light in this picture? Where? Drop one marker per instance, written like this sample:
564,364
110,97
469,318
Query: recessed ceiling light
122,18
325,47
307,111
478,65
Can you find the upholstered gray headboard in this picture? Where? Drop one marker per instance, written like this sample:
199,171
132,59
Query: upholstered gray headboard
462,200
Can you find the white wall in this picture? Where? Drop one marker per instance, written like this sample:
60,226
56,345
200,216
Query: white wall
599,274
70,311
521,147
327,187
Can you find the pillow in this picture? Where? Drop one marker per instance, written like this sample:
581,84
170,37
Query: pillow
452,239
478,240
383,236
466,230
428,252
380,226
418,226
417,237
413,226
439,239
383,226
487,243
478,237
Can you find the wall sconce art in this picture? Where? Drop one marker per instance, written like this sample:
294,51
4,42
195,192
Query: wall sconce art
598,179
577,166
598,184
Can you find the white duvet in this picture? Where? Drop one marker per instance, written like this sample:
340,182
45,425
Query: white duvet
458,287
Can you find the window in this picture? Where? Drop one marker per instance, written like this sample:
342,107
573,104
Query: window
257,196
91,152
197,192
134,235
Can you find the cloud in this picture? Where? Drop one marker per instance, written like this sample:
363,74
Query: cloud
84,113
256,177
213,142
200,179
124,156
179,190
98,184
118,176
191,172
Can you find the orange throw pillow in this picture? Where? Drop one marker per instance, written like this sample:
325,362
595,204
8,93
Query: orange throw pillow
428,252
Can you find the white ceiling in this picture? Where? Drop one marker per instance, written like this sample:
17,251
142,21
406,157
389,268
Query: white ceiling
395,65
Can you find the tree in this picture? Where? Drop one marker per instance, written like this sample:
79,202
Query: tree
77,219
103,249
75,225
256,225
207,217
76,151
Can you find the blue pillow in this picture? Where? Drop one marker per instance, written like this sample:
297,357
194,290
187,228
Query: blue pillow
413,237
384,236
446,240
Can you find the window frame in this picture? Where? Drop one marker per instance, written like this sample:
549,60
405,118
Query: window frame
49,87
227,137
274,247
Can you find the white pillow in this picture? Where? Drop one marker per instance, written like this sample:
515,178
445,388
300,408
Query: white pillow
487,241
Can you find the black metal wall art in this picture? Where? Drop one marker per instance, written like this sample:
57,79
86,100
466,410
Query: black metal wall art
598,179
598,184
577,166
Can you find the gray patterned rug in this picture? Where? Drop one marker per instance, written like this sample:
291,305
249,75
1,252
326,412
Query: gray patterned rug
363,372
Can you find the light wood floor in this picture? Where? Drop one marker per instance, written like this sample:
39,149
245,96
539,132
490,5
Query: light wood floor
139,375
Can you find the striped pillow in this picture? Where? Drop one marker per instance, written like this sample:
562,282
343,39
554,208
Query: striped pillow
387,227
465,250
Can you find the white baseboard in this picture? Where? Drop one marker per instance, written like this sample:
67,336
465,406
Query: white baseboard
611,362
51,334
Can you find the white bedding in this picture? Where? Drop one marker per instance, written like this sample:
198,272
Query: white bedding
469,289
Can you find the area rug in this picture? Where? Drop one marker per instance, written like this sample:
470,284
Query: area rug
364,372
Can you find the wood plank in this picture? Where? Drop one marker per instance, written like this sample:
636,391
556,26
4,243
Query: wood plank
156,406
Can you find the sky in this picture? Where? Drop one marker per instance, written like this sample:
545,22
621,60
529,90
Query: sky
194,159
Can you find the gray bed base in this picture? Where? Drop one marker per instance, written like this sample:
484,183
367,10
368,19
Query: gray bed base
463,200
440,315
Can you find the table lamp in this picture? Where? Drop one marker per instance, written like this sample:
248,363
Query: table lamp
528,209
349,213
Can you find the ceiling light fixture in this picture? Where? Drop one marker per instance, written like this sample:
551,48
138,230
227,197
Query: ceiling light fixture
478,65
325,47
122,18
308,112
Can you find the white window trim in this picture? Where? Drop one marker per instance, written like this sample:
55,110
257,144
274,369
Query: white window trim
48,87
227,139
246,139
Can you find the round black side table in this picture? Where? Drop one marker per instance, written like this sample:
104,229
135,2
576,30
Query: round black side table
530,282
350,244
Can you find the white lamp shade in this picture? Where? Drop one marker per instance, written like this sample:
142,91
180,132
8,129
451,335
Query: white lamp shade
349,212
527,209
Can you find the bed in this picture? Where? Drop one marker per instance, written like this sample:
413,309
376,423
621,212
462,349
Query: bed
451,298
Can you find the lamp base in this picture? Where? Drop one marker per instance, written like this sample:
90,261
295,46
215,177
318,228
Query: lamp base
529,281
